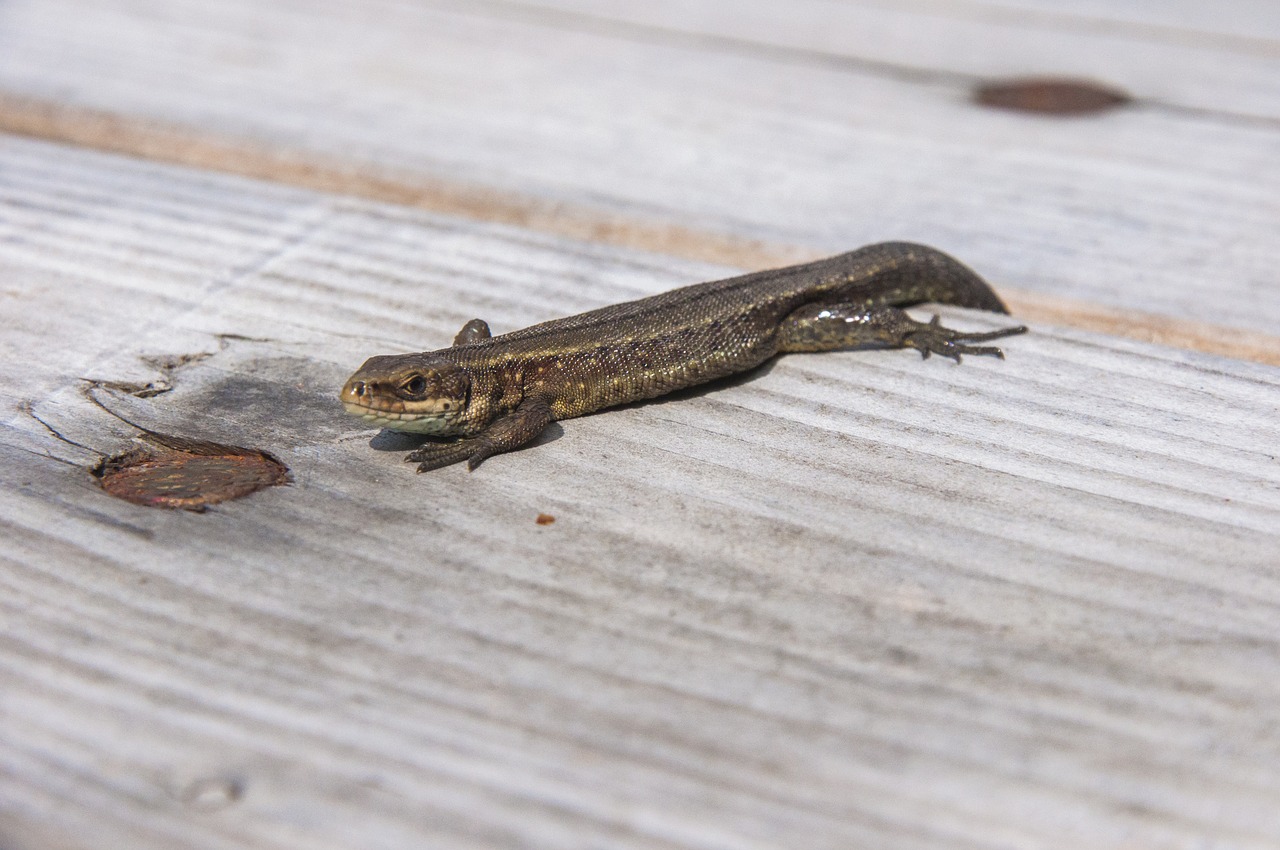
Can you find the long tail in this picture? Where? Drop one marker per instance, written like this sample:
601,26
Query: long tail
904,273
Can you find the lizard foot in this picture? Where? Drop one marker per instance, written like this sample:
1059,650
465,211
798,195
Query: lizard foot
436,455
933,338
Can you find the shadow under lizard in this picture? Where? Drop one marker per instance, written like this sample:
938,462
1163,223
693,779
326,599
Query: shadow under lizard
486,395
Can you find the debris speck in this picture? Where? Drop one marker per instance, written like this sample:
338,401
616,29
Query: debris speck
212,793
1050,96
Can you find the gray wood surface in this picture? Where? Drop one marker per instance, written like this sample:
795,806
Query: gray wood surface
809,126
855,600
852,600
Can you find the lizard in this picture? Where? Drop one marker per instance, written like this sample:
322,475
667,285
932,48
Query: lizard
488,394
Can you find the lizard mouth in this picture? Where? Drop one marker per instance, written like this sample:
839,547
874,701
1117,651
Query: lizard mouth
436,421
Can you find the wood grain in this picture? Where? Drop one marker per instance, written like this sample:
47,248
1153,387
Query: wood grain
1164,52
854,600
671,137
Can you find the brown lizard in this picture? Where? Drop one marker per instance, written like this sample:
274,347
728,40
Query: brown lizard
486,395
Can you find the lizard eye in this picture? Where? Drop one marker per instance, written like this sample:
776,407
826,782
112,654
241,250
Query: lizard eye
416,385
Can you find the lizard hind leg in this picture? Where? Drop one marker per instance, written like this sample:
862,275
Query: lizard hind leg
828,327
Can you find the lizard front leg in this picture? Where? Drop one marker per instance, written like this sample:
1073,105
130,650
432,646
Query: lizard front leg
473,331
828,327
519,427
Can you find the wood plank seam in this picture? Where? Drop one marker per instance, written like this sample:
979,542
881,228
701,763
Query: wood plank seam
146,139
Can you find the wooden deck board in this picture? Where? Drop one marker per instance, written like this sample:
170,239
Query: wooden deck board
1168,208
855,600
1165,52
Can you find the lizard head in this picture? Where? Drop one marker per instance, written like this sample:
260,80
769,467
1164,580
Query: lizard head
419,393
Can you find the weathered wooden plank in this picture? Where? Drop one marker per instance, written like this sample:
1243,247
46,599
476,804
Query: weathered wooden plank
858,600
1151,209
1158,51
89,243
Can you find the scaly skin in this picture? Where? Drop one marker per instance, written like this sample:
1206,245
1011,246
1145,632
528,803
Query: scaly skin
495,394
